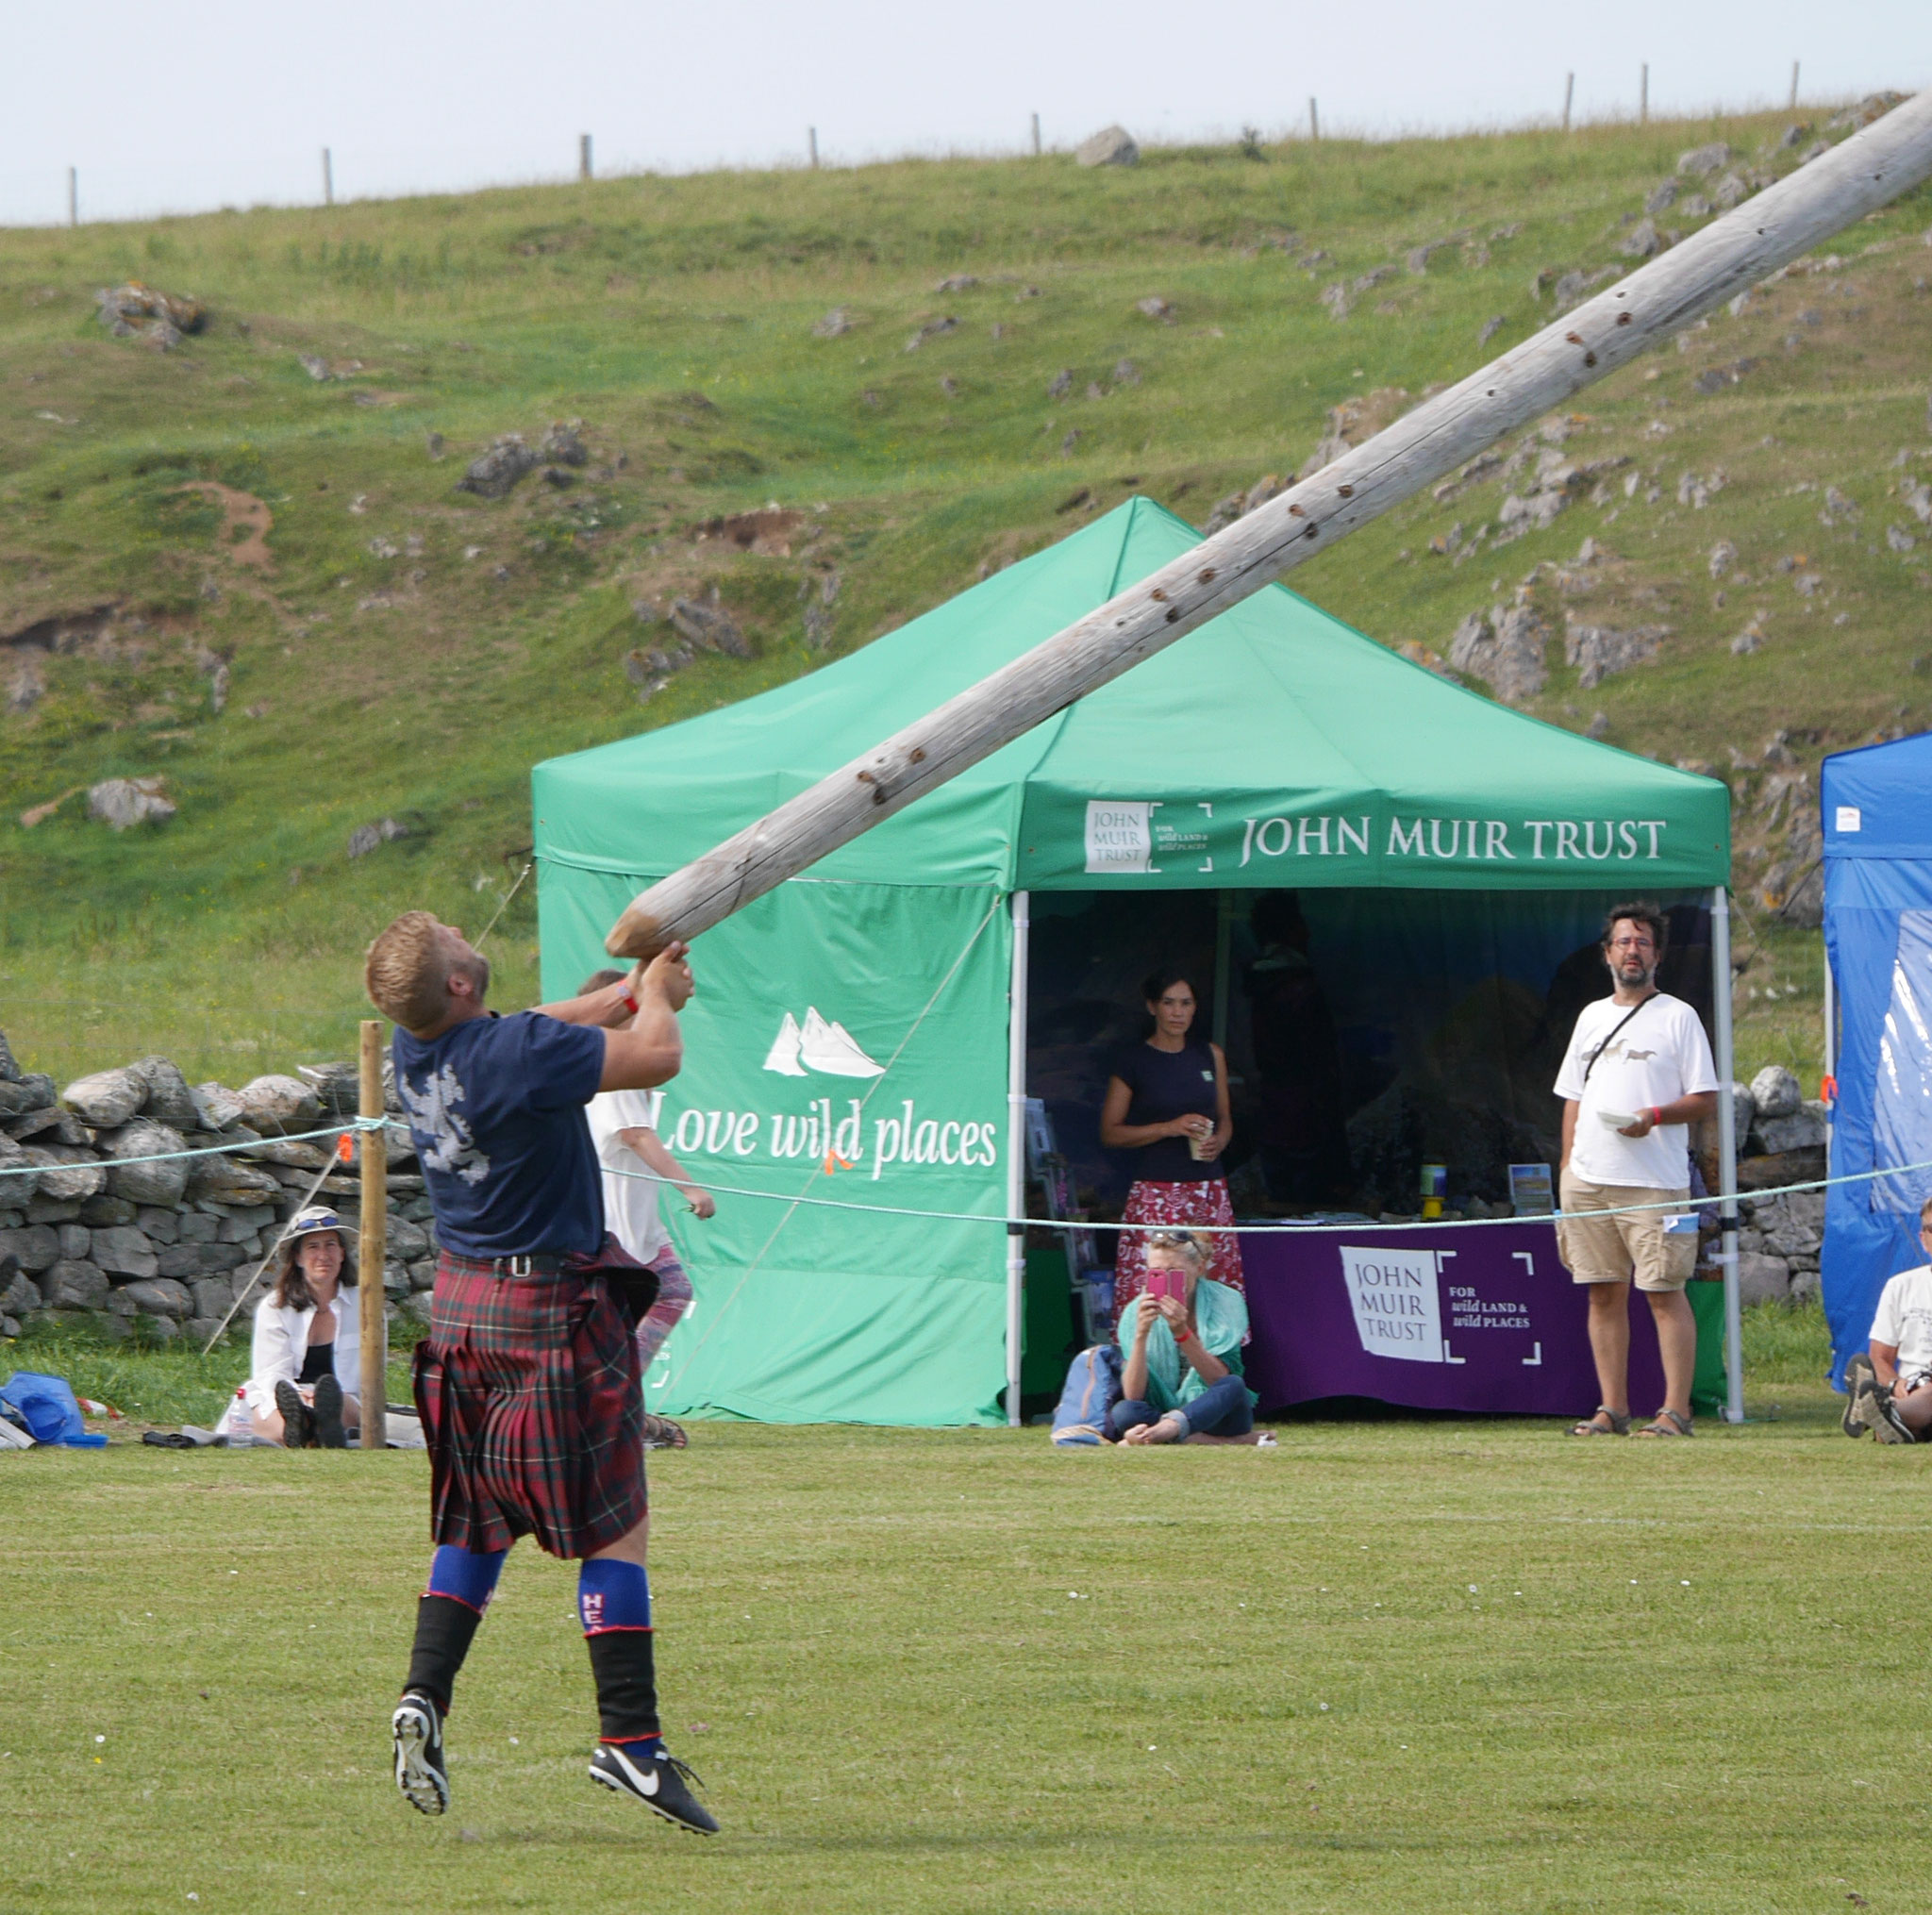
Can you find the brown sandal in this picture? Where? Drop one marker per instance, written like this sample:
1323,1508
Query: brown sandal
1589,1426
1667,1422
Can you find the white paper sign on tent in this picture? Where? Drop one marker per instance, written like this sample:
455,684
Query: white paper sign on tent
1397,1302
1120,835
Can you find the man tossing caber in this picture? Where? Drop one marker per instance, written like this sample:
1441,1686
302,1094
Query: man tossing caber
527,1382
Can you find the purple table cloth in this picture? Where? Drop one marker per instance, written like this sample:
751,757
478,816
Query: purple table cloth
1483,1317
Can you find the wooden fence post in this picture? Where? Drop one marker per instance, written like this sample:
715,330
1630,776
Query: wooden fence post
328,179
1035,136
811,139
1569,94
1314,123
74,195
1795,86
1643,96
1608,331
583,156
373,1252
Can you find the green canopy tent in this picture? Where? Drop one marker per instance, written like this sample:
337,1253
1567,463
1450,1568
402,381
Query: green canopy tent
858,1034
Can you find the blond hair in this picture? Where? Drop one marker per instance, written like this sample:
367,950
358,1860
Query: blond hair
406,969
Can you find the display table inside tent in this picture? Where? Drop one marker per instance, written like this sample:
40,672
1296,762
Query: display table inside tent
1479,1317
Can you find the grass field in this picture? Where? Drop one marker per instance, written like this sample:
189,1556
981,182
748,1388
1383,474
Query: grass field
398,648
1435,1665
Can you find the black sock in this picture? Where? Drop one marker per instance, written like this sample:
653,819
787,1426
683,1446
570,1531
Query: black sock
626,1675
444,1630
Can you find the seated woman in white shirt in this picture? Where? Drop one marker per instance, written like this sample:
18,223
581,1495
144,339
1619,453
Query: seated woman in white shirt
305,1366
1891,1388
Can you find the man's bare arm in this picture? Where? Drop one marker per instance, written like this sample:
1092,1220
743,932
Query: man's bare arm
650,1050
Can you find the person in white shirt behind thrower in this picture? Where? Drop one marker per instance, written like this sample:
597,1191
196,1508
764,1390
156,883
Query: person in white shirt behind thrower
1637,1072
636,1168
304,1368
1892,1386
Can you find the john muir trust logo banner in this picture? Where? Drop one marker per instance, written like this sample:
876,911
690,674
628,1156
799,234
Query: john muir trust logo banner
1182,841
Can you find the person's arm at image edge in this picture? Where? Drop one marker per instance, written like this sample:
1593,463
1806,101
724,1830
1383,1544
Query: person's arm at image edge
1223,1110
650,1051
1133,1376
1883,1362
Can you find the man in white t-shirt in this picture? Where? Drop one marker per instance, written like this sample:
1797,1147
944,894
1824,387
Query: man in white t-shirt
636,1168
1636,1075
1892,1389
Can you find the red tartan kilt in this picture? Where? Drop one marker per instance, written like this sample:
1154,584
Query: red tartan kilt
531,1406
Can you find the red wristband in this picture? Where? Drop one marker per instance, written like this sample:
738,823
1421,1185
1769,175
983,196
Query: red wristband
1657,1116
630,1003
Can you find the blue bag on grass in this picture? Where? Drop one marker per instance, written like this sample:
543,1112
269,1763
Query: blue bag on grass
48,1407
1093,1389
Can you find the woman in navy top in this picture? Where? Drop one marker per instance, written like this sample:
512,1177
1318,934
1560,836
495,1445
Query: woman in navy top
1167,1102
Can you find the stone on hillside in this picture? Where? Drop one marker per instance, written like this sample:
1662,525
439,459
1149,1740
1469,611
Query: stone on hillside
1732,189
159,1297
1271,485
26,1094
1153,306
119,803
1724,555
123,1250
1702,161
337,1085
212,1295
933,329
835,323
274,1103
19,1293
365,838
1597,651
219,1106
9,1071
495,474
106,1099
1794,135
1776,1092
1504,649
1837,509
34,1246
1225,513
223,1180
145,1183
1336,298
169,1100
1743,1110
74,1284
158,1225
1661,197
406,1240
564,443
1061,384
1898,539
1491,328
68,1174
1641,240
1110,146
709,625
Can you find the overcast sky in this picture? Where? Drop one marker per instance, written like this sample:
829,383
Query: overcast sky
181,108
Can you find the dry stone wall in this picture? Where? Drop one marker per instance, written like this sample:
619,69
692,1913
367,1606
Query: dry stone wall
90,1230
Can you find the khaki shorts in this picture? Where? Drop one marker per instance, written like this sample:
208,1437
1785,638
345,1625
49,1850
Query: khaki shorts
1616,1249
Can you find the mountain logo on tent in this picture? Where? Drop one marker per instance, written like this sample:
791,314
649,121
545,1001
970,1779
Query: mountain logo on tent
817,1045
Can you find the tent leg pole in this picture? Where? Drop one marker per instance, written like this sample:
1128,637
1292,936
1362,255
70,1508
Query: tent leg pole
1726,1149
1828,1090
1016,1159
1224,957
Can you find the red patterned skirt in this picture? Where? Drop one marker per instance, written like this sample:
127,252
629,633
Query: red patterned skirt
1177,1206
533,1410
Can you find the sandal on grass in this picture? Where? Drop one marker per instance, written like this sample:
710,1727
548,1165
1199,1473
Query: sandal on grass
1613,1425
1666,1423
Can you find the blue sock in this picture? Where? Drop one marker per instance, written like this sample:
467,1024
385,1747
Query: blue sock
614,1596
465,1575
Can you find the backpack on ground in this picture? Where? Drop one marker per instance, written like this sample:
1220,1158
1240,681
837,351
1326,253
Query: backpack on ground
1093,1389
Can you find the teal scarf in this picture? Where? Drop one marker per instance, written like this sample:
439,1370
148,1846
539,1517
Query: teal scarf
1221,1318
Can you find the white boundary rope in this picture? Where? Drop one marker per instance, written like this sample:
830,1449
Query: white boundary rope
1271,1229
163,1156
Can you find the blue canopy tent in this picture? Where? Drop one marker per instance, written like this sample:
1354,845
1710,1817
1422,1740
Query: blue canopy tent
1878,814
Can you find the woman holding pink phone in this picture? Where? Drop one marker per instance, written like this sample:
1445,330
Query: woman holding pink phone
1181,1341
1167,1102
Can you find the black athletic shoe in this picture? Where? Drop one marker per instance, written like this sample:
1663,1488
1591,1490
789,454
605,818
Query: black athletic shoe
298,1420
660,1432
328,1414
1882,1418
662,1787
421,1774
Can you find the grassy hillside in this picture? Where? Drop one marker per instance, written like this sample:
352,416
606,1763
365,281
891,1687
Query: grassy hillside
265,589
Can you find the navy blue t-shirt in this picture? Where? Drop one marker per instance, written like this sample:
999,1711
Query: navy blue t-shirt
496,1110
1166,1084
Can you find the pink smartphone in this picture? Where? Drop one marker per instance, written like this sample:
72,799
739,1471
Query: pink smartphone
1172,1283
